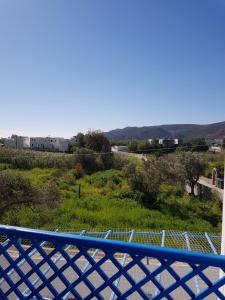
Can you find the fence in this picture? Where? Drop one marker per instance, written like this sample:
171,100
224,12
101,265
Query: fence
52,265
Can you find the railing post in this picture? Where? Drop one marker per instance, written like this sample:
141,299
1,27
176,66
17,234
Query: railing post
126,255
149,243
222,290
189,249
162,245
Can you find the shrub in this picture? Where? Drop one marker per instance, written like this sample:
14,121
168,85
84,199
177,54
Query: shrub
15,190
129,194
79,171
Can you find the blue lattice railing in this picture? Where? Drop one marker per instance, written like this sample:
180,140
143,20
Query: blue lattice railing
38,264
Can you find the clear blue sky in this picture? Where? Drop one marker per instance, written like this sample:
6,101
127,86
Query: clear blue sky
67,66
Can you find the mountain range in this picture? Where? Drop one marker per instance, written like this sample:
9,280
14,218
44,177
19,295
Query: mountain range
185,131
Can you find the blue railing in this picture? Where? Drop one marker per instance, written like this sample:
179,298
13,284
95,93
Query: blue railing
38,264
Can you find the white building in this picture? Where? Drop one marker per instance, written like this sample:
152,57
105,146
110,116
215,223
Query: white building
212,142
215,148
49,144
18,142
166,142
119,149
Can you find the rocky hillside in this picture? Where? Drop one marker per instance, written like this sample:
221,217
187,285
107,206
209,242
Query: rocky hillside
209,131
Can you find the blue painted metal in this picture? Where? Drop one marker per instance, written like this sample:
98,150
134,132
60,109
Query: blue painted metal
125,256
69,278
162,245
88,263
46,270
189,249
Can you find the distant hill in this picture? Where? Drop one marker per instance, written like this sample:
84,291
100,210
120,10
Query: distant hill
210,131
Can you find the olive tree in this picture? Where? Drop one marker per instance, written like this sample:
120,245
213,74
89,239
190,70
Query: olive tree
188,167
146,177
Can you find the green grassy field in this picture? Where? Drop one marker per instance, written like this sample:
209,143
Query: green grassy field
107,202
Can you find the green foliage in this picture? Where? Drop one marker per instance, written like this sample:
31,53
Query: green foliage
88,160
127,193
146,178
144,145
80,143
109,202
100,179
119,142
185,168
188,208
3,166
170,189
79,171
24,159
50,194
15,190
97,142
219,165
27,160
133,146
198,145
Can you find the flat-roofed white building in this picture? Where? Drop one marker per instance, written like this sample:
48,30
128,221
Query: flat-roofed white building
49,144
119,149
17,142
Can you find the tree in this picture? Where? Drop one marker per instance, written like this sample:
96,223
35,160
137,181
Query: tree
144,145
152,176
79,171
133,146
132,174
97,141
145,178
87,158
15,190
189,167
50,194
80,143
198,145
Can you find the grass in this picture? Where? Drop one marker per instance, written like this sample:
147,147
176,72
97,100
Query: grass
106,202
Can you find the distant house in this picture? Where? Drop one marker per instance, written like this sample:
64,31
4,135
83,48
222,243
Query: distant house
17,142
166,142
119,149
212,142
170,142
56,144
215,148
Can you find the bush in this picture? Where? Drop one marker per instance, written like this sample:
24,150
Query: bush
15,190
129,194
101,179
79,171
219,165
50,194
